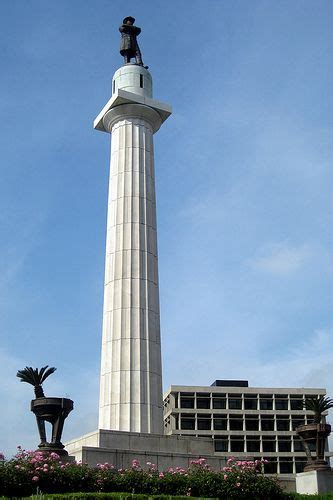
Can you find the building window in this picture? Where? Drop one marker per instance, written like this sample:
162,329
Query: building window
271,466
267,423
220,424
187,422
219,403
203,403
114,86
268,444
236,443
266,401
296,403
250,402
251,422
221,444
297,420
187,402
298,446
253,443
282,423
234,402
204,423
141,81
284,444
281,404
286,465
236,422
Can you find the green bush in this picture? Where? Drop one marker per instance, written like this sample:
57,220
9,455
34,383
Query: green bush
32,471
297,496
109,496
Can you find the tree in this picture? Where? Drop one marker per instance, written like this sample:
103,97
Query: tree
36,377
318,405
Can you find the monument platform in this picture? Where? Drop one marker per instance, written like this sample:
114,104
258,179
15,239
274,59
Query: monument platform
121,448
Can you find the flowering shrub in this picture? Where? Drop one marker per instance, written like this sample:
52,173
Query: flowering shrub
30,471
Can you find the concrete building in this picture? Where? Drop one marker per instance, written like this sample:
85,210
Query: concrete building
244,422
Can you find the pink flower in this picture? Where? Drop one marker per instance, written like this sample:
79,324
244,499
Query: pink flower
225,477
238,485
35,478
161,474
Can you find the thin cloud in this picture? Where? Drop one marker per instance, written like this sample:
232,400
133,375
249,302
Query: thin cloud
282,258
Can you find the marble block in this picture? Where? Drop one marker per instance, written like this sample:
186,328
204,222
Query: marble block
314,482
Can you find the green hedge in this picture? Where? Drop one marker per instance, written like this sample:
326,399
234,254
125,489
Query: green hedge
31,472
297,496
127,496
111,496
131,496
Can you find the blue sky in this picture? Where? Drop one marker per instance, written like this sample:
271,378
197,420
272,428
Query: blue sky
244,194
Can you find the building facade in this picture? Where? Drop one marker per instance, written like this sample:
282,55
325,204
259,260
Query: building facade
244,422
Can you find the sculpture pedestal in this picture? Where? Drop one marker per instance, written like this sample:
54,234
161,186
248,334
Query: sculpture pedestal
314,482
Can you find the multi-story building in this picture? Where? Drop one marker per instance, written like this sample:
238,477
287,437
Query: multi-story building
244,422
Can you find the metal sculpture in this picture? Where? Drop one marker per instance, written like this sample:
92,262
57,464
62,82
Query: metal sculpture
315,433
129,47
52,410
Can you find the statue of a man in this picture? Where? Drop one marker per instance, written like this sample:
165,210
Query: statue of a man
129,46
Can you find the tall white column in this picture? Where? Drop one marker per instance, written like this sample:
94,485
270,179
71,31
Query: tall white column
131,372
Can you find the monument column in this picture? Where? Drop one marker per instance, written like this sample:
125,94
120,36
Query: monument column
131,372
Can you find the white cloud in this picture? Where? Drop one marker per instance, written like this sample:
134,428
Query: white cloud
282,258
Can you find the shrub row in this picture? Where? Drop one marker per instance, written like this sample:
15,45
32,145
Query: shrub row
109,496
29,472
128,496
297,496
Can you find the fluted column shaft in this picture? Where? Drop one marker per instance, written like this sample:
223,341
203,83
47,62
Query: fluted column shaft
131,378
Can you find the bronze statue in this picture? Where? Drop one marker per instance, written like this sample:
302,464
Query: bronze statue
52,410
129,47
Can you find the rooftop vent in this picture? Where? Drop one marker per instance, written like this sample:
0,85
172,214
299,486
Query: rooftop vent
230,383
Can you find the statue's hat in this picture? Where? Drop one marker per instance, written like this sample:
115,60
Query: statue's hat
129,18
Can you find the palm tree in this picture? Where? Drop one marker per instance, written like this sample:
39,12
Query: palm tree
36,377
318,405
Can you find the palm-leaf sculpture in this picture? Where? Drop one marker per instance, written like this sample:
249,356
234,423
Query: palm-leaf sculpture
318,405
35,377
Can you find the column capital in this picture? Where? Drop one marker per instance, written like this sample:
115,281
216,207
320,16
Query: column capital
132,112
125,103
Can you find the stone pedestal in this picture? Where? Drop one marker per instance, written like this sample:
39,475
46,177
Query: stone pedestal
121,448
314,482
